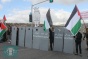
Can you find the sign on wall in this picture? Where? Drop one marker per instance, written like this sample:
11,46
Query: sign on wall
36,16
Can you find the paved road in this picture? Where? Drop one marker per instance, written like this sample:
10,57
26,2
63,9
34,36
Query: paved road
25,53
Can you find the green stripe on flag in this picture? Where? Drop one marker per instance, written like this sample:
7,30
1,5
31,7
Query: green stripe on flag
2,32
76,27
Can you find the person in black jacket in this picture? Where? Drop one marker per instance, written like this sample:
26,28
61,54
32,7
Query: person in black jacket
78,38
51,37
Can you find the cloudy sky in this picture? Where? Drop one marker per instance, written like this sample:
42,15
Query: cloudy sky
17,11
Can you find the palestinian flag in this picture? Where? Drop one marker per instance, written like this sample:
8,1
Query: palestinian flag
46,25
74,22
2,29
48,16
4,18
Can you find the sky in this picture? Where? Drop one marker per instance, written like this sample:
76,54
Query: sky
17,11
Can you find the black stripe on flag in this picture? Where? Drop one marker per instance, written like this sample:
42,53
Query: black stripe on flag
71,16
48,16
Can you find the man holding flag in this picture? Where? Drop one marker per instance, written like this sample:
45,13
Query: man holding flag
3,29
48,24
73,25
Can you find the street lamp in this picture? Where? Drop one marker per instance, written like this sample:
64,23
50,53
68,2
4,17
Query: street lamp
32,12
37,4
32,9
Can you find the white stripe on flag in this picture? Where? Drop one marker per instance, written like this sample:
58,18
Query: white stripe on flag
73,21
0,30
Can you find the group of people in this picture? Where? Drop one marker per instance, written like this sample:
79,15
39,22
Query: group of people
78,39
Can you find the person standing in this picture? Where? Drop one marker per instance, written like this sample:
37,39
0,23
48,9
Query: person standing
9,34
86,36
78,39
51,37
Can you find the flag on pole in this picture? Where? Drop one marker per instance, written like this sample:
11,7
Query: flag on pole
74,22
2,29
48,16
46,25
4,18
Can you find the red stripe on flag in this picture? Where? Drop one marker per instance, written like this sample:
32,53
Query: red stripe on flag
78,12
3,26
